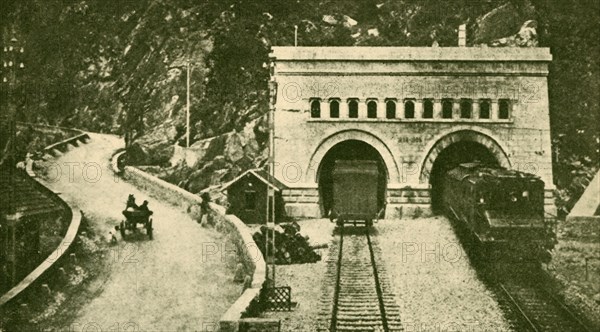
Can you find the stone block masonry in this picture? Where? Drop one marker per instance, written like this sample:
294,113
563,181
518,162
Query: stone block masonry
412,103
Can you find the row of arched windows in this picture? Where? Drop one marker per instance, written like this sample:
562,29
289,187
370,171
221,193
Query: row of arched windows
465,107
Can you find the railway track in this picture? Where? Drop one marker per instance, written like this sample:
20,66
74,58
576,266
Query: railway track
358,295
530,307
521,288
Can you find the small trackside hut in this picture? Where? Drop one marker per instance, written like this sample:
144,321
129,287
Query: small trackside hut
247,196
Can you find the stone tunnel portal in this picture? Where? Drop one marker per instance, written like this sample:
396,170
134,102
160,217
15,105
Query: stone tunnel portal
348,150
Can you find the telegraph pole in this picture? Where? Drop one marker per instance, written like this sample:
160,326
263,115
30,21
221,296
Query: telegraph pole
271,191
188,80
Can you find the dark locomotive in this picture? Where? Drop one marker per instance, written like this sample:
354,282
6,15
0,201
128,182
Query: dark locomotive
501,209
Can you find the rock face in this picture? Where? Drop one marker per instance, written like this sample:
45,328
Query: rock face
208,163
526,37
502,22
234,147
155,148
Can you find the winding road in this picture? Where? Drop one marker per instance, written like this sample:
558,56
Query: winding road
167,284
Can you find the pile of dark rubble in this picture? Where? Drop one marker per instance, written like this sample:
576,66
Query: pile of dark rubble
290,246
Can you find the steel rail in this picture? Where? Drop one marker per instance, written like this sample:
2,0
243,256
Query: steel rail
336,294
516,305
377,284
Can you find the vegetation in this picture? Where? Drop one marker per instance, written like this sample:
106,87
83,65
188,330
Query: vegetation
109,65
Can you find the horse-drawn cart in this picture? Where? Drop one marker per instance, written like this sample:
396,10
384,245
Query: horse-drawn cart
133,217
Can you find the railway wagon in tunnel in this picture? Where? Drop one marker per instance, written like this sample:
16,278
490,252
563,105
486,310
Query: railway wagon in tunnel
416,111
345,165
355,191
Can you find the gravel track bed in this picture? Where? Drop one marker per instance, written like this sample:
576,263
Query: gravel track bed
436,286
305,280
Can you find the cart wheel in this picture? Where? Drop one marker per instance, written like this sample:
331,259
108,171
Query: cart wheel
122,229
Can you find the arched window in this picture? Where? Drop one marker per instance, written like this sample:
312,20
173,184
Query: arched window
390,109
372,109
447,108
409,109
503,109
315,109
334,109
428,109
484,109
466,108
353,108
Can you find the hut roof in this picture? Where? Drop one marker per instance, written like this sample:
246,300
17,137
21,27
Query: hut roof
260,174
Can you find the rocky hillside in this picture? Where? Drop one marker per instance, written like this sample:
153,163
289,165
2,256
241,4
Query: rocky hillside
119,66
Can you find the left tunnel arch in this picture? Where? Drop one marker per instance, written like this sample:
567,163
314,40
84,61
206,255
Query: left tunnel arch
329,142
349,150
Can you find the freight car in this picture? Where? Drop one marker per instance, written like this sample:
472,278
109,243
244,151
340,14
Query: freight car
355,184
501,209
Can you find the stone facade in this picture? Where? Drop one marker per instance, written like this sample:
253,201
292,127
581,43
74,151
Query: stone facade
413,102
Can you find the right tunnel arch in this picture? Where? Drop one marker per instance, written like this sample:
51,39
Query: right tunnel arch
458,147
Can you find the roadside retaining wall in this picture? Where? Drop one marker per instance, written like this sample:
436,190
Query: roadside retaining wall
242,237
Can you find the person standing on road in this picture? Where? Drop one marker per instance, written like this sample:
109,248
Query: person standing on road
204,208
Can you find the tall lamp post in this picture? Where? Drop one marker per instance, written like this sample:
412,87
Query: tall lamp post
187,106
188,71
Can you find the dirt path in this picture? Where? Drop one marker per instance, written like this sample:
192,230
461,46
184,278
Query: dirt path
166,284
